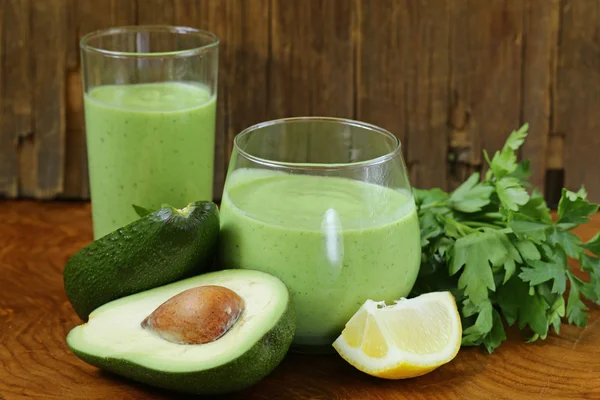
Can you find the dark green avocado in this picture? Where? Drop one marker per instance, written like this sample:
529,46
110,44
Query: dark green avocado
162,247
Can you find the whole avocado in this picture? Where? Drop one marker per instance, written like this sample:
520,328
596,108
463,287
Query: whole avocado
162,247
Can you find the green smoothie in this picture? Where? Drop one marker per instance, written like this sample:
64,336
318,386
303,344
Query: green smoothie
148,144
335,242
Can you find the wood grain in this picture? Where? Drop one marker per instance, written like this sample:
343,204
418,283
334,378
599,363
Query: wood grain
289,69
8,155
36,240
577,98
486,57
76,170
402,80
48,39
311,68
448,77
540,27
246,53
245,64
2,11
381,65
290,64
74,98
332,74
427,54
15,98
153,12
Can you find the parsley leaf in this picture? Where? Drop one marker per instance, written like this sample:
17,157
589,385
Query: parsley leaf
512,255
590,263
567,240
496,335
528,228
582,192
536,208
428,197
511,193
576,310
532,313
505,160
519,305
528,250
431,227
496,248
522,172
593,244
591,289
471,196
574,209
543,271
556,312
474,334
476,252
516,139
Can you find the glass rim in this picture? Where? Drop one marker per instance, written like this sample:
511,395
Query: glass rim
178,30
319,166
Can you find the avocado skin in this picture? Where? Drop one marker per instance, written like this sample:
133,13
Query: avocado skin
159,248
240,373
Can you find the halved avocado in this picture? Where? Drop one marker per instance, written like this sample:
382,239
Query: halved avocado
114,339
162,247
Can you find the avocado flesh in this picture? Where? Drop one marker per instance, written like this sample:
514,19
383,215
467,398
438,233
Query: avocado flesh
162,247
114,340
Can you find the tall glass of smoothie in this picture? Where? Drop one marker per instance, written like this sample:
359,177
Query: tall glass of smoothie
325,205
149,96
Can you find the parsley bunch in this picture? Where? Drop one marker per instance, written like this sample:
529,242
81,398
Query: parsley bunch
496,248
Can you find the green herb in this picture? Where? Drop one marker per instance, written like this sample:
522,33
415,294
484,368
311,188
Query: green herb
496,248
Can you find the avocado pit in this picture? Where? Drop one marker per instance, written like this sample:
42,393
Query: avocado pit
196,316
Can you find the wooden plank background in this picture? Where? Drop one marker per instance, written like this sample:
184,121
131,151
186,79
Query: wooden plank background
449,77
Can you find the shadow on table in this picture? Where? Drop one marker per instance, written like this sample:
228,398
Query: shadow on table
330,378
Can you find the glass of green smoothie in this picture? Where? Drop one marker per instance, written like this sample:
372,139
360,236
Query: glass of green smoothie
150,99
324,204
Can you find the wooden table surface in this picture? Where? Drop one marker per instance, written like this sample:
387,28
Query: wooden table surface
36,240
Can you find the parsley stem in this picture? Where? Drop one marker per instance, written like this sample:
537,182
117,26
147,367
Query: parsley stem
493,215
432,205
462,228
477,224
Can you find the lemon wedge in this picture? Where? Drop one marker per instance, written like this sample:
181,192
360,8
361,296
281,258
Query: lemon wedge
409,338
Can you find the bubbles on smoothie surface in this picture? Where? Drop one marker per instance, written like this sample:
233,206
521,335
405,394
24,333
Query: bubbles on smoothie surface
168,96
